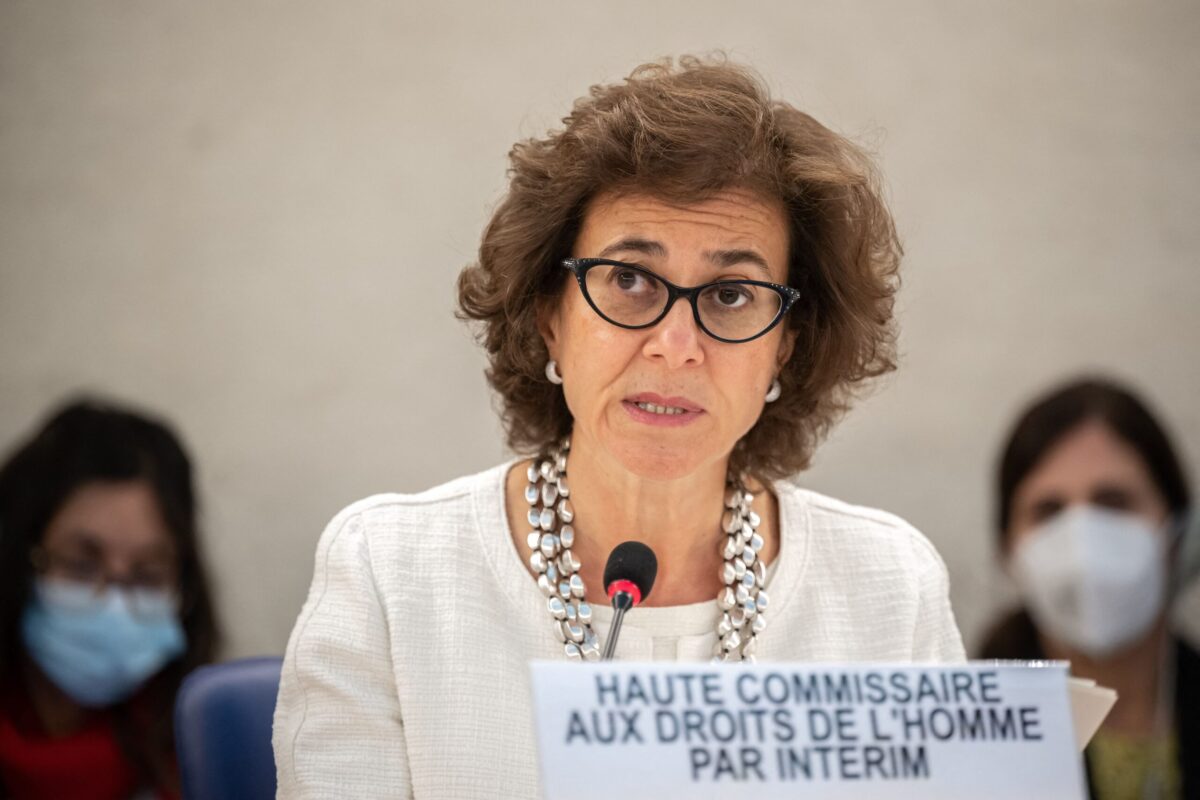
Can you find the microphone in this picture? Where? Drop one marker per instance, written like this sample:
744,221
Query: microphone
628,577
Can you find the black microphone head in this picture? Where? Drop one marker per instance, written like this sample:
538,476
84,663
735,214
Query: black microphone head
633,562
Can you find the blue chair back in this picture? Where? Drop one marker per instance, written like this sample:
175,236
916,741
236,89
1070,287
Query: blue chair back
223,719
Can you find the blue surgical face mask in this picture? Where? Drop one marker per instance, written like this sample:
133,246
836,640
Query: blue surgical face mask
100,648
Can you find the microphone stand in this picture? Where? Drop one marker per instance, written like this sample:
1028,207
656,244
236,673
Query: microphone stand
622,601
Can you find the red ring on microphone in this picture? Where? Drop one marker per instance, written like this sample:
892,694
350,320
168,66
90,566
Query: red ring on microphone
622,585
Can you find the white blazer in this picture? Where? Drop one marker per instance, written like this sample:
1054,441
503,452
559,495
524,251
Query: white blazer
407,676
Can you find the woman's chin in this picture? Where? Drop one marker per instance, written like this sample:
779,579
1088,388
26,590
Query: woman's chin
654,454
658,461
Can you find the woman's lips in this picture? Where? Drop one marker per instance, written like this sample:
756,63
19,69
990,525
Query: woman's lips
653,409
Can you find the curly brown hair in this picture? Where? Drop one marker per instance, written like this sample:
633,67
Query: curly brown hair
684,132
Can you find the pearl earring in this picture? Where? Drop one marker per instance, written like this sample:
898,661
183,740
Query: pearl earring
774,392
552,372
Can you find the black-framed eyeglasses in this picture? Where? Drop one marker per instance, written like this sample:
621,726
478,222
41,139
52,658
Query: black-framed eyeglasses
631,296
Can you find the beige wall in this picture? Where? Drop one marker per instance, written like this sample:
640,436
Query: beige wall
250,216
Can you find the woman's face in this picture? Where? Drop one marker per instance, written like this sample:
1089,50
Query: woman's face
114,531
608,370
1090,465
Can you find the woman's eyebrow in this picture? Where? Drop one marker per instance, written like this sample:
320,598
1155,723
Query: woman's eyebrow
634,244
731,258
83,538
719,258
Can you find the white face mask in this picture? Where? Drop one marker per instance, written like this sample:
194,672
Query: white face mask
1093,578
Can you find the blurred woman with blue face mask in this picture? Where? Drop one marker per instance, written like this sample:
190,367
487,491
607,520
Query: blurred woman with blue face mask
104,606
1090,507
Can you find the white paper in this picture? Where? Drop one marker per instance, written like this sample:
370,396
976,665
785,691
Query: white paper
1090,704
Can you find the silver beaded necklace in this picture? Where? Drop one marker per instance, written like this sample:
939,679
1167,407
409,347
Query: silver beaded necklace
742,598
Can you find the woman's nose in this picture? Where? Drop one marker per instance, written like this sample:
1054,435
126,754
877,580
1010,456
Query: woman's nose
676,339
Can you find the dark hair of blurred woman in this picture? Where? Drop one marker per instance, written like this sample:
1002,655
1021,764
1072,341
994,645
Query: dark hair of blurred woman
90,445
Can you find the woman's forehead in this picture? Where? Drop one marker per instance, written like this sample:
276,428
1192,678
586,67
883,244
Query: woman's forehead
1087,456
121,517
734,219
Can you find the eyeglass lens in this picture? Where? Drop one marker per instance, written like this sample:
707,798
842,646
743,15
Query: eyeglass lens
150,588
730,310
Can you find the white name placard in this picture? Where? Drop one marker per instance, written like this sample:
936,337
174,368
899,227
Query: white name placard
860,731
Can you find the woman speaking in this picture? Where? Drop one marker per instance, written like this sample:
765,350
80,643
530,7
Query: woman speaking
678,296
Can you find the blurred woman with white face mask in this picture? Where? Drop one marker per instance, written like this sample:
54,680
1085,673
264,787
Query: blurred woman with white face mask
1091,499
